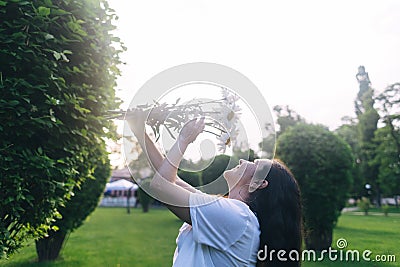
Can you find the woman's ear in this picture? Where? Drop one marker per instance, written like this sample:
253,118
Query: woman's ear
255,186
263,185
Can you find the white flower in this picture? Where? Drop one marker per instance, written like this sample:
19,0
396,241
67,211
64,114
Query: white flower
224,114
233,132
228,118
224,140
229,96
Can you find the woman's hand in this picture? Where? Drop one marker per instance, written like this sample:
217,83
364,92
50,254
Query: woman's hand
136,120
191,130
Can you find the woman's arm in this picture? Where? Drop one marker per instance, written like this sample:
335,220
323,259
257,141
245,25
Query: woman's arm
157,158
137,125
164,184
174,194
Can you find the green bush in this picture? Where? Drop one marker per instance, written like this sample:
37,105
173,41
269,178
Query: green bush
385,209
57,77
322,164
85,200
193,178
364,205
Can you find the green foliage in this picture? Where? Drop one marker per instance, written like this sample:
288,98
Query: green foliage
145,199
385,209
267,146
367,125
364,204
249,154
210,178
216,168
387,138
287,118
191,177
57,73
86,196
349,133
322,163
82,203
387,158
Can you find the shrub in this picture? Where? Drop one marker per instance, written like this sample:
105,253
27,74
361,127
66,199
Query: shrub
57,78
322,164
364,205
385,209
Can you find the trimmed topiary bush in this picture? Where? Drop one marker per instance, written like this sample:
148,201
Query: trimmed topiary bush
57,76
322,164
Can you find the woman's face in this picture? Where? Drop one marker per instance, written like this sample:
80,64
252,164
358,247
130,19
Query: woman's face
241,174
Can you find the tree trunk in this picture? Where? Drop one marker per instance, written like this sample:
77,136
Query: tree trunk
378,196
318,240
48,248
145,207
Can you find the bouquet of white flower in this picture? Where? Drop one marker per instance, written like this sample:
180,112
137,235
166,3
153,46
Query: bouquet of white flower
221,115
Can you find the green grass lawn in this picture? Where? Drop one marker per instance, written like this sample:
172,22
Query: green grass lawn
376,233
392,209
110,237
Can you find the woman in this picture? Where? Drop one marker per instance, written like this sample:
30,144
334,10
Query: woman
259,214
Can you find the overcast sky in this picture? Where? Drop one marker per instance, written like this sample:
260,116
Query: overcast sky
304,54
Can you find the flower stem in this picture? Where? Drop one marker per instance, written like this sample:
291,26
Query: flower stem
211,132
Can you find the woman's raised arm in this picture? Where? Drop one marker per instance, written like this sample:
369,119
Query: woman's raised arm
164,184
137,126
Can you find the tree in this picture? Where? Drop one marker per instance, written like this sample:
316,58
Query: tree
57,73
367,117
209,176
322,164
194,178
389,104
364,85
286,118
388,139
348,131
367,125
387,158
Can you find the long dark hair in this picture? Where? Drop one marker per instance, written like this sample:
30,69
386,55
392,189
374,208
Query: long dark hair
278,210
